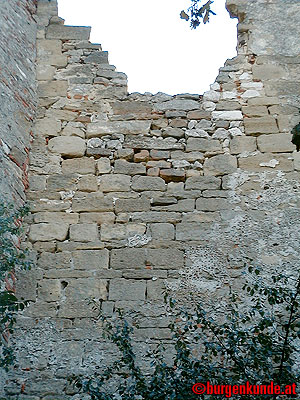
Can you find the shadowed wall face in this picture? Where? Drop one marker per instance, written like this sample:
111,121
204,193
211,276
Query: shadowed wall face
18,95
131,192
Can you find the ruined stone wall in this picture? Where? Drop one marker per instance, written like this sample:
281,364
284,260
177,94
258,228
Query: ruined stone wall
129,192
18,97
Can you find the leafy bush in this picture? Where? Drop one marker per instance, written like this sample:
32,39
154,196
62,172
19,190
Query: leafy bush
255,342
11,257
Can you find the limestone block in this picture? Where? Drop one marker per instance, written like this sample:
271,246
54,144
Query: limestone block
269,161
141,183
136,109
202,183
49,290
198,114
156,216
26,284
86,288
121,231
165,258
159,155
255,111
45,72
162,231
115,183
211,204
153,143
211,95
276,143
284,123
228,105
156,289
127,154
125,167
127,289
48,232
103,165
67,146
260,125
88,183
92,204
192,231
240,144
263,101
172,175
201,144
59,182
227,115
65,32
47,127
63,115
97,57
185,205
153,171
143,155
97,218
177,104
96,129
128,258
52,89
84,232
173,132
191,156
220,165
82,166
90,259
132,205
267,72
68,218
158,164
46,47
71,130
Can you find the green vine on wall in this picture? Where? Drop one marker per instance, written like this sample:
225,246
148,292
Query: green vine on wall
11,257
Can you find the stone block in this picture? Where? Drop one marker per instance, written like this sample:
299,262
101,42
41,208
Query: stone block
127,289
202,183
267,72
159,154
165,258
67,146
128,258
47,127
156,289
103,165
192,156
185,205
221,164
198,114
227,115
296,156
263,101
82,166
58,217
71,130
115,183
136,109
90,259
88,183
97,218
172,175
48,232
158,164
46,47
241,144
153,171
121,231
142,183
192,231
162,231
260,125
26,285
97,57
86,288
201,144
132,205
269,161
177,104
173,132
98,129
84,232
59,182
153,143
49,290
276,143
65,32
55,260
45,72
156,216
128,168
92,204
53,89
255,111
211,204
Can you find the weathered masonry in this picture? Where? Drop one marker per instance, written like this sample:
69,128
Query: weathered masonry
129,192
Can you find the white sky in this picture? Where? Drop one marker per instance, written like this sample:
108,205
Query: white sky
148,41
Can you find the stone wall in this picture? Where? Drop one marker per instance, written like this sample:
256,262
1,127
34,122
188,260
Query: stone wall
18,95
131,192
